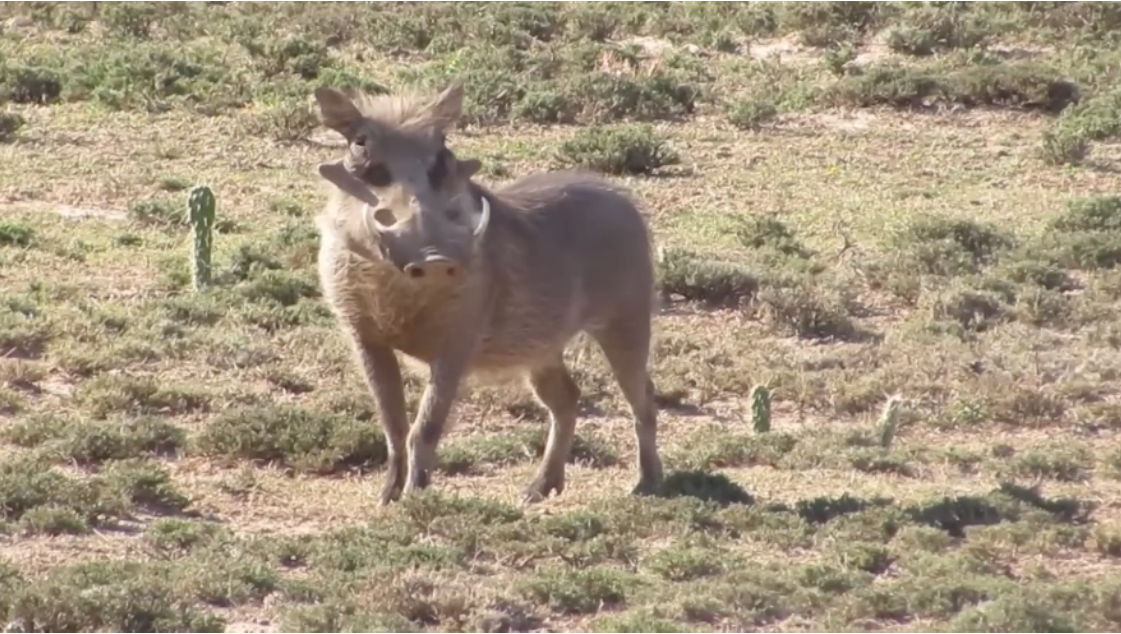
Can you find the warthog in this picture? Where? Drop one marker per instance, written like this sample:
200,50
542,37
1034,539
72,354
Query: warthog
417,258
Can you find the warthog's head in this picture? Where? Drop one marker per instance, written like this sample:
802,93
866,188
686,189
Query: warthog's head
417,200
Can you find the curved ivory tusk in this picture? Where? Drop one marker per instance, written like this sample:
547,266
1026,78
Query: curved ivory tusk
484,216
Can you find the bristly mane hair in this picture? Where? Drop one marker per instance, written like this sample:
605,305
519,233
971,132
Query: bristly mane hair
403,112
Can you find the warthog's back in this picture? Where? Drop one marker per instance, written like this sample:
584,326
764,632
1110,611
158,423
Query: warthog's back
568,252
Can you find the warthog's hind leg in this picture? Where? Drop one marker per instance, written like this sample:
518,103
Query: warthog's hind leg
556,390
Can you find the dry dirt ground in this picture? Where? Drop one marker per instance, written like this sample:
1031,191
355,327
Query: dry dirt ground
174,461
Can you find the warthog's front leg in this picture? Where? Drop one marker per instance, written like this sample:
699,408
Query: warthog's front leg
440,393
383,376
556,390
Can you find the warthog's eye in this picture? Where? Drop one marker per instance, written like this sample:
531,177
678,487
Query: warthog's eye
377,175
454,214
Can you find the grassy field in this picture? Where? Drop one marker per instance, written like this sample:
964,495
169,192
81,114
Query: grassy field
855,200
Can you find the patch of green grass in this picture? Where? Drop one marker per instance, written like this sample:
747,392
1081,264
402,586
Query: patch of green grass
717,448
810,312
26,485
53,520
342,617
949,246
1112,464
16,234
1064,147
1013,85
971,310
579,591
1087,235
639,622
90,442
173,183
1101,213
287,122
521,445
158,213
140,396
1061,462
146,484
10,123
711,281
932,30
677,563
703,486
768,234
619,149
604,96
1027,610
175,535
107,595
30,84
301,438
750,114
1093,119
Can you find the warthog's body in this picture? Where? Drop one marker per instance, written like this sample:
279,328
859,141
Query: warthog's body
548,257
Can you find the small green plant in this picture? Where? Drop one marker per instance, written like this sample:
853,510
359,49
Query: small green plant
285,122
1064,147
810,312
751,114
889,420
713,282
931,30
10,122
173,183
201,205
53,520
16,234
29,84
619,149
837,58
147,484
761,409
308,440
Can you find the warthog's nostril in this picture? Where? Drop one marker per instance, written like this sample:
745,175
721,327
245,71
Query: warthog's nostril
433,266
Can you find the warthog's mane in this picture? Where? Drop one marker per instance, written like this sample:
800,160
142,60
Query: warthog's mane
405,112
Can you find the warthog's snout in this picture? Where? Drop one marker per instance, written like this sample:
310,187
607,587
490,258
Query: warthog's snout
433,266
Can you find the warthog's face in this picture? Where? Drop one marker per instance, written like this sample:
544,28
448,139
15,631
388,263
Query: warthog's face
417,200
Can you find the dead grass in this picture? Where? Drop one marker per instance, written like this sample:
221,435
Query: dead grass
853,201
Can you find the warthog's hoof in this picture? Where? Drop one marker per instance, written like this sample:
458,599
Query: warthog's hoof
394,482
540,489
647,487
390,493
419,481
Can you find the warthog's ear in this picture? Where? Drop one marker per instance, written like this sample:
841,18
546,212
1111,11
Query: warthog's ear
468,167
338,175
445,109
338,112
